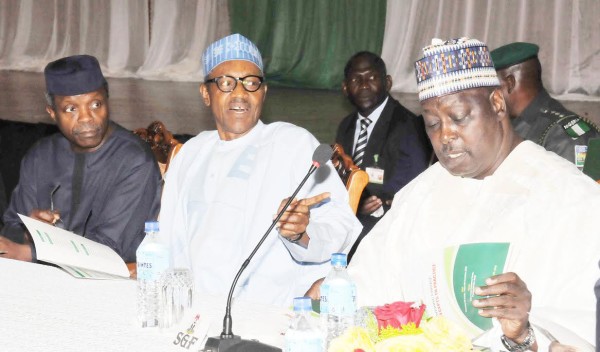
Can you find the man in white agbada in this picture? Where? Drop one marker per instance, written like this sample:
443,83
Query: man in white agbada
488,186
224,187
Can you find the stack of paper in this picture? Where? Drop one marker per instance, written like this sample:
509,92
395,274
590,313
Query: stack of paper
77,255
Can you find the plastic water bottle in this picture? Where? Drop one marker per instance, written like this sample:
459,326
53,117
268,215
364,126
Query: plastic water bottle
303,334
152,260
338,299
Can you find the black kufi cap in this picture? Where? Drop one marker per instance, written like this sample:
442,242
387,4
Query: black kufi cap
73,75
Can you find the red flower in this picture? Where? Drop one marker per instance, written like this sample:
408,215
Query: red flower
398,314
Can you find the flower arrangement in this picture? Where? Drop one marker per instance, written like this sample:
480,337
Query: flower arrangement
400,327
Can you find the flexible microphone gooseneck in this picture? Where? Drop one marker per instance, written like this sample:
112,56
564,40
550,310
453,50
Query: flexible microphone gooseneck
228,341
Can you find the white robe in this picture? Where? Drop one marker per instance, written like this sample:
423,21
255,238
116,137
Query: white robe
536,200
221,196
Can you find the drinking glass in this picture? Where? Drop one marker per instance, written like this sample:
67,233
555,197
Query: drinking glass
175,296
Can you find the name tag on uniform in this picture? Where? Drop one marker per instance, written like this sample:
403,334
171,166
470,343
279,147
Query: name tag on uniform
580,154
375,175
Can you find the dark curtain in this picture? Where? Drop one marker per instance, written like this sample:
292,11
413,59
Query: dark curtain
306,43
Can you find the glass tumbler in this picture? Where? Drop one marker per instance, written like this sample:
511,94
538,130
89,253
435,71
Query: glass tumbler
175,296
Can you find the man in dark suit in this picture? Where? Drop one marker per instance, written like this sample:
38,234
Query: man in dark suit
383,137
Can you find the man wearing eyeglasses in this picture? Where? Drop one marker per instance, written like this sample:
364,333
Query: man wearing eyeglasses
224,187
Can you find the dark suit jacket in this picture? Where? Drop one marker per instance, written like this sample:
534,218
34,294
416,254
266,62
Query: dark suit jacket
404,151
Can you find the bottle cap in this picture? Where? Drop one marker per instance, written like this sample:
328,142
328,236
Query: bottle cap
339,259
302,304
151,226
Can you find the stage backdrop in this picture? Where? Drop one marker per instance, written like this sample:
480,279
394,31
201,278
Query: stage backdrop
305,43
567,31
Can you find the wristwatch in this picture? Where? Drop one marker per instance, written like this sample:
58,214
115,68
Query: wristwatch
296,238
512,346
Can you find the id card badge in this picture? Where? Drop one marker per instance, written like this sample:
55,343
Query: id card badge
580,154
375,175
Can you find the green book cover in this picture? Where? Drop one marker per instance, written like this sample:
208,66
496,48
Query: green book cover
592,159
473,263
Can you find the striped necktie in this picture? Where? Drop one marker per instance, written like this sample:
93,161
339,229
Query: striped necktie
361,143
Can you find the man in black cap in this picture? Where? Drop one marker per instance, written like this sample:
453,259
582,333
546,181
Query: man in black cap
383,137
94,178
535,115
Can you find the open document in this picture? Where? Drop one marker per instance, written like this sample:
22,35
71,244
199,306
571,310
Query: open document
453,278
77,255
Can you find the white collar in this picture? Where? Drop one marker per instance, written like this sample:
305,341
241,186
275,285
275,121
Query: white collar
374,116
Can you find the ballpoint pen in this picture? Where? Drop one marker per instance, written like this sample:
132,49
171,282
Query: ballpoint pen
57,220
52,197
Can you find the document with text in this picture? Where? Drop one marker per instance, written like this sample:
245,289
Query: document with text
453,278
79,256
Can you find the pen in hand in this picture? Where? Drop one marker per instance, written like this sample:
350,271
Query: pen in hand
52,197
57,220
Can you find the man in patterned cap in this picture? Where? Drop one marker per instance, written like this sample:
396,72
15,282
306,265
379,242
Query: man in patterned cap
224,187
94,178
535,115
492,204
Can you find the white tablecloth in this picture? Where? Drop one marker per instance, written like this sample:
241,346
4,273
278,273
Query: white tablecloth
43,308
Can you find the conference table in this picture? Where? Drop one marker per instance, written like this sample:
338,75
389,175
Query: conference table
43,308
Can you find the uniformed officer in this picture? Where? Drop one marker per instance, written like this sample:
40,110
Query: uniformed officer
535,115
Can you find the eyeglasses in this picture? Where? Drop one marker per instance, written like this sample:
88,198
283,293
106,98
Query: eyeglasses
227,84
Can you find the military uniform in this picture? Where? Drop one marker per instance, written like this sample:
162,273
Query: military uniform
548,123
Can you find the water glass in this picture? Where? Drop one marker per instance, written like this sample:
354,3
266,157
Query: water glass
175,296
364,317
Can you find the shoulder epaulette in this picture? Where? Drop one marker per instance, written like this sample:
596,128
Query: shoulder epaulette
574,125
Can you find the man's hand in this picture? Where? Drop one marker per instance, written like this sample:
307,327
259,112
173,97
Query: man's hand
370,205
314,292
14,250
509,301
296,217
47,216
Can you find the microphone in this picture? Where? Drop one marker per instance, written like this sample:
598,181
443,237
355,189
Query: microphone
228,341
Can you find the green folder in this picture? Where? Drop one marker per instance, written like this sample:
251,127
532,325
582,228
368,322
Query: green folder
475,262
592,159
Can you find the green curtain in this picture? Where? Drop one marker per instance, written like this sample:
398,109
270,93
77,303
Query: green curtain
306,43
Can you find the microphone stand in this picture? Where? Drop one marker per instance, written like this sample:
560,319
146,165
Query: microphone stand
228,341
